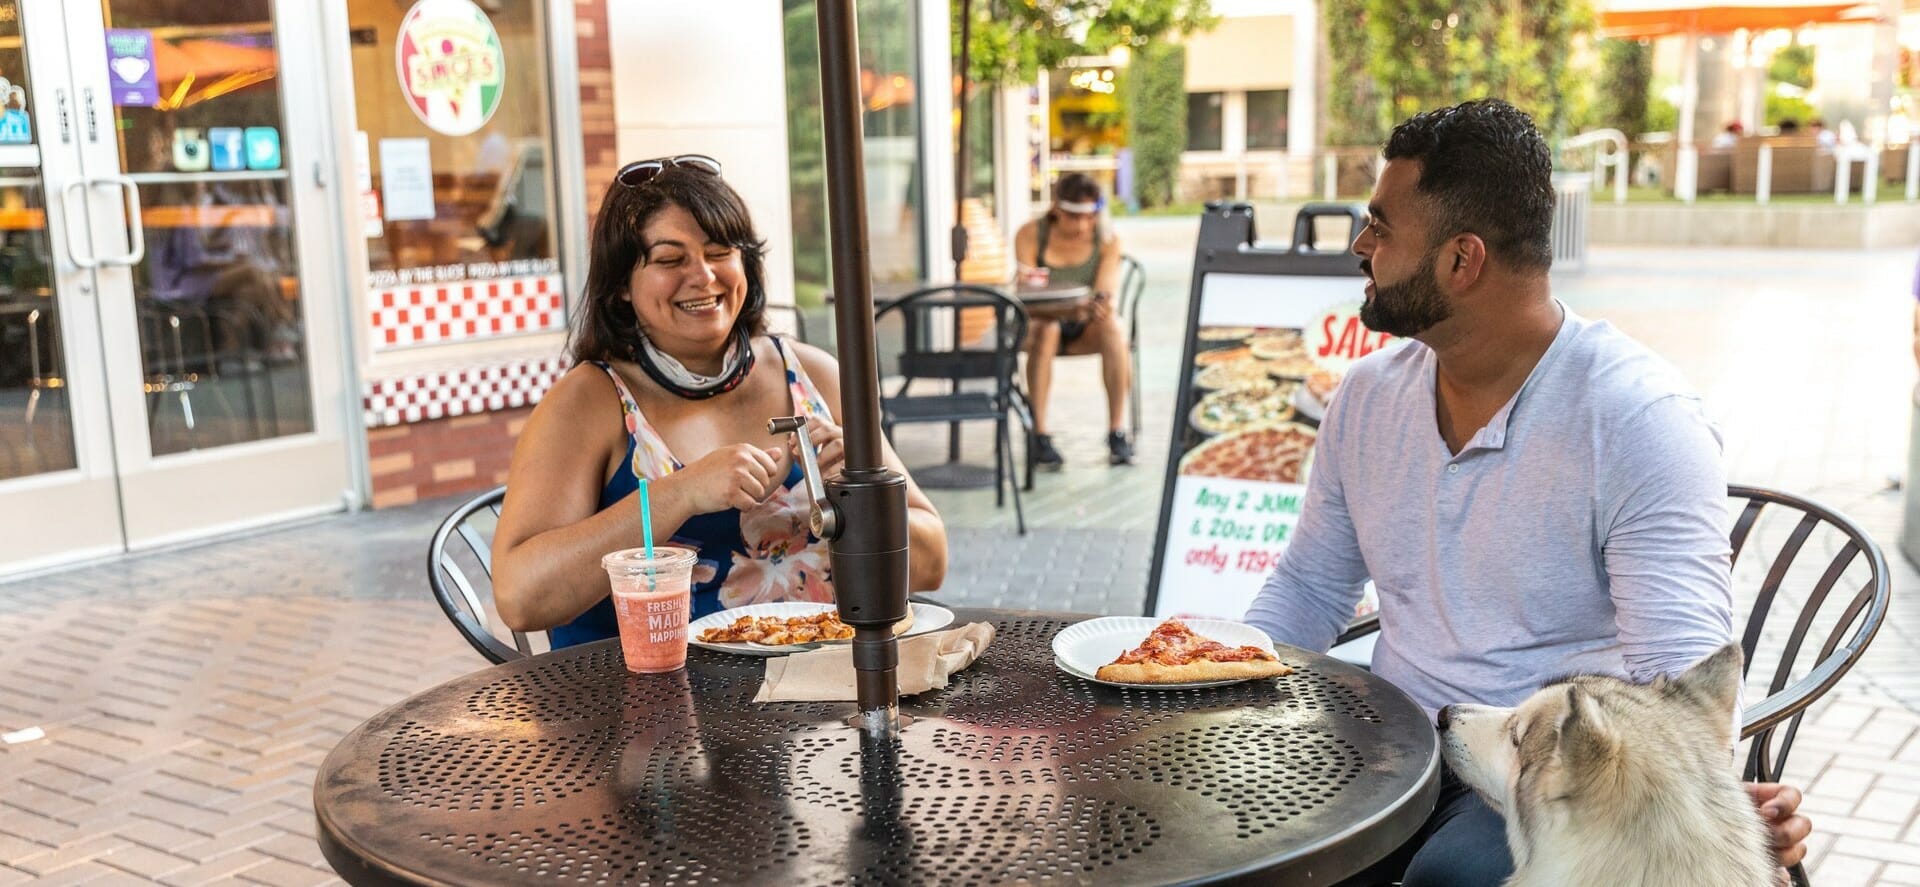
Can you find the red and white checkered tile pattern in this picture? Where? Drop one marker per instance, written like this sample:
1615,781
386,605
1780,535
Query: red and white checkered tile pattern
436,313
458,392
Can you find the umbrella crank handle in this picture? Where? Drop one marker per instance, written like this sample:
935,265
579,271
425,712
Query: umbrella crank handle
824,517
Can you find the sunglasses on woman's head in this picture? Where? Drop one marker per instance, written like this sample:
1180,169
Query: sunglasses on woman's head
639,172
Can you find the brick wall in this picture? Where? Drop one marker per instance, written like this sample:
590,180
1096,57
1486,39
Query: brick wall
467,454
443,457
598,131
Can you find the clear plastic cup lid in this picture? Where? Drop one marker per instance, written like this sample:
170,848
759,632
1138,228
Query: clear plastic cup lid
634,561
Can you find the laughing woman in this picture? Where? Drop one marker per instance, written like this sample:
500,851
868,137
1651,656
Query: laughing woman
675,378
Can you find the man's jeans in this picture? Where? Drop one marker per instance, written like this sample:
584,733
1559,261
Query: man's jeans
1463,844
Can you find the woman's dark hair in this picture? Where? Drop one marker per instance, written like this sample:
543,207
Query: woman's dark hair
607,328
1075,187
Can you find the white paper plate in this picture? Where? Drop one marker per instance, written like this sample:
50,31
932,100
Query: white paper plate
1080,649
926,617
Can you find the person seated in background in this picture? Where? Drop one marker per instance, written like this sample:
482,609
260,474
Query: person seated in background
675,379
1789,127
1821,134
1076,246
1730,136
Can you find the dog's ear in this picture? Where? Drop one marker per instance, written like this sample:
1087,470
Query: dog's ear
1714,682
1587,737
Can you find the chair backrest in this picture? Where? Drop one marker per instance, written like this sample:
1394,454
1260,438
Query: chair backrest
466,596
1789,579
1133,282
1856,565
924,315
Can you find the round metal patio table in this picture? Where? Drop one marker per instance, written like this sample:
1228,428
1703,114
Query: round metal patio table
565,767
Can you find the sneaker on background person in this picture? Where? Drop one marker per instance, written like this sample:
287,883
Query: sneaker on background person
1044,454
1119,449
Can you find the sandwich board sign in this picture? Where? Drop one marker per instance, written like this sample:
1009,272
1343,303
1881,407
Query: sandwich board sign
1271,330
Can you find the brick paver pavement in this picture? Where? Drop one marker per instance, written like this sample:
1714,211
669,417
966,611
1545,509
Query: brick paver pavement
188,696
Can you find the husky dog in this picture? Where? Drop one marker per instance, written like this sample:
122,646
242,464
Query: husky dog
1603,782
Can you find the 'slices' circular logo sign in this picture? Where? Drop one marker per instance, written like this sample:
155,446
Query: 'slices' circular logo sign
451,66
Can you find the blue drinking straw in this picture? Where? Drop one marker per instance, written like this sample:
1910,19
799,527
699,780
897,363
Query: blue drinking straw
646,527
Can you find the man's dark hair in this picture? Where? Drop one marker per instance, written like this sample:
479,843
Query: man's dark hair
1484,169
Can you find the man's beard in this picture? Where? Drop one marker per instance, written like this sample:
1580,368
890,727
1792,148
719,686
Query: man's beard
1407,308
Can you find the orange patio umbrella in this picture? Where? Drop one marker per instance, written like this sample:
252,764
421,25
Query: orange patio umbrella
1661,18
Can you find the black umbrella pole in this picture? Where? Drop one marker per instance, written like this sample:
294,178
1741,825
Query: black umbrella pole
869,554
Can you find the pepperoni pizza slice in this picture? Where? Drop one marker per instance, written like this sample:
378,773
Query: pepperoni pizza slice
1173,654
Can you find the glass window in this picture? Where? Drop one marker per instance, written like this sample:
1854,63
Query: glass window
1266,119
452,103
1088,119
217,295
37,434
1203,121
982,138
889,81
15,126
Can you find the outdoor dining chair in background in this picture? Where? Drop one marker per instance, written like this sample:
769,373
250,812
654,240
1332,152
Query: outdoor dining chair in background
918,323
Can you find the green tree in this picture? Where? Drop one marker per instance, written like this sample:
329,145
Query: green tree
1353,101
1423,54
1013,40
1792,64
1781,108
1626,78
1155,93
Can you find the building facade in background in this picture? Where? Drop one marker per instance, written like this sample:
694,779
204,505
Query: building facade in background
1251,106
268,259
264,259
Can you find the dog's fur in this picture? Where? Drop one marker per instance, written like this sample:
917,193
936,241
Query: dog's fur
1603,782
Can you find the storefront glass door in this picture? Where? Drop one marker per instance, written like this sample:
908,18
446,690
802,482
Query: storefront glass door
177,302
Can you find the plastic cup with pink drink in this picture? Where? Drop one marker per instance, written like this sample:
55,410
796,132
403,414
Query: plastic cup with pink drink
651,598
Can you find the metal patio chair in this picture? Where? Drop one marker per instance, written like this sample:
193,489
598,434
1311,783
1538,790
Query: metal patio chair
466,601
998,364
1772,722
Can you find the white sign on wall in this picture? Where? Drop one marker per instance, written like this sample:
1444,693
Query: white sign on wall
406,179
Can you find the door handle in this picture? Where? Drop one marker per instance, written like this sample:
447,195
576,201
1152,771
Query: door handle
87,260
136,226
93,120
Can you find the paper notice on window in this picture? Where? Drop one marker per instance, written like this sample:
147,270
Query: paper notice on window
406,179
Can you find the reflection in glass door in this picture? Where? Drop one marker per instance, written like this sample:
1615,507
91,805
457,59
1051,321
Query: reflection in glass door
156,254
36,423
217,293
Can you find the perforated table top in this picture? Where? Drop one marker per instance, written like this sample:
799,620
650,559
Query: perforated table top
564,767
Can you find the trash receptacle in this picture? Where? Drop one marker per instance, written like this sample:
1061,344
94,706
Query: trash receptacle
1572,200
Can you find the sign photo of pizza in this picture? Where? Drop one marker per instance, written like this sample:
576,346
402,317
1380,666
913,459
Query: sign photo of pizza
1265,358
